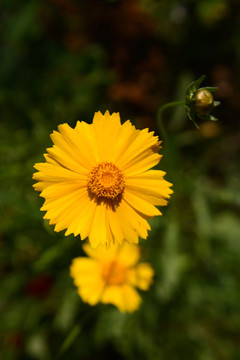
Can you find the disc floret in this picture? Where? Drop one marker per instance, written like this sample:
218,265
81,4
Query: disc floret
106,180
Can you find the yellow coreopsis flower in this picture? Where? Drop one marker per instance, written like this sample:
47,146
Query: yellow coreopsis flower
111,275
97,183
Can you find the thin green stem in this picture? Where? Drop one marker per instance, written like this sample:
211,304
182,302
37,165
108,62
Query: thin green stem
69,340
159,115
74,333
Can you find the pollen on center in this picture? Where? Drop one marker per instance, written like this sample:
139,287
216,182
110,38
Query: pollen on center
106,181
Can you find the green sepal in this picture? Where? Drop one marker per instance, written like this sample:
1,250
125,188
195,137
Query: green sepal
192,89
191,115
212,89
208,117
198,82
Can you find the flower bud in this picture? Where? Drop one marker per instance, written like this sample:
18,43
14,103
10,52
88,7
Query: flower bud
199,102
204,102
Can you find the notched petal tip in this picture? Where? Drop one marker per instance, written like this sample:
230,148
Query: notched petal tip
61,126
54,133
34,176
37,165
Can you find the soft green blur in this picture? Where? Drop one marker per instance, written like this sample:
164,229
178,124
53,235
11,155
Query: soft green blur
62,60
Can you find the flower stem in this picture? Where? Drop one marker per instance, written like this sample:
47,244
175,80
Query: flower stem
159,115
69,340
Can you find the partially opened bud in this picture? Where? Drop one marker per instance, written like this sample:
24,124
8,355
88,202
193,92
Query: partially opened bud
204,102
200,101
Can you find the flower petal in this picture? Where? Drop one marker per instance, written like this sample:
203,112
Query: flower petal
101,253
65,160
124,297
56,173
140,204
73,212
106,130
142,163
115,226
75,141
86,275
82,218
126,136
141,276
142,147
133,224
57,190
98,231
128,255
151,183
83,266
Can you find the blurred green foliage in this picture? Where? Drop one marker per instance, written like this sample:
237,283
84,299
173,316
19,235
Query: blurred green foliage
62,60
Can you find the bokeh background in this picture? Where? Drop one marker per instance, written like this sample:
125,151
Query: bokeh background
62,60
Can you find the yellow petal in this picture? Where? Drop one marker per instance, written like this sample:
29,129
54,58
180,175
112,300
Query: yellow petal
133,225
56,173
86,275
66,144
150,186
65,160
142,163
50,160
59,203
82,219
113,295
83,266
73,212
76,140
128,255
149,196
154,187
91,293
98,231
101,253
63,208
59,190
41,185
86,137
140,204
132,298
106,128
149,175
143,146
124,297
126,136
115,226
141,276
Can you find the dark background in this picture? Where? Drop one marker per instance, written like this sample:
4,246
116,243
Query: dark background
62,60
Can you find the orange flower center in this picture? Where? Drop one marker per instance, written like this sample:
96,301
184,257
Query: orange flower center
113,273
106,180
